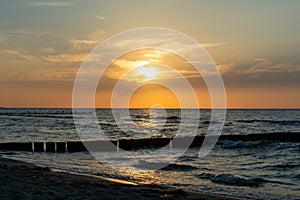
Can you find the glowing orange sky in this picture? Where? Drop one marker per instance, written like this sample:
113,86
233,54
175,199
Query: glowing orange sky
152,94
146,62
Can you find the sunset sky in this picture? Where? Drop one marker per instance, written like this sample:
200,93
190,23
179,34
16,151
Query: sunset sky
254,43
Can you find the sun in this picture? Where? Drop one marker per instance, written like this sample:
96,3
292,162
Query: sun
148,73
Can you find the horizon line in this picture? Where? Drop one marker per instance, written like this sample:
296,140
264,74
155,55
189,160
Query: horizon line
170,108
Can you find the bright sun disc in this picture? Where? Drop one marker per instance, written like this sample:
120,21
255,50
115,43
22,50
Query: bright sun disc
148,73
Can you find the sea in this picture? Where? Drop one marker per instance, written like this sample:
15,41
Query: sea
249,170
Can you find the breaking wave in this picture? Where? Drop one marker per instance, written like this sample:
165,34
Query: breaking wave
232,180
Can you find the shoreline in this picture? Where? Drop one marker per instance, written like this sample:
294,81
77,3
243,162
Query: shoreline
21,180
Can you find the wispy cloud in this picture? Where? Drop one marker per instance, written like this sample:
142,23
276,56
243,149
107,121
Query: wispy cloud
101,18
81,46
212,44
48,50
22,55
266,65
39,74
85,41
50,56
258,66
223,68
65,58
2,39
63,74
16,32
51,3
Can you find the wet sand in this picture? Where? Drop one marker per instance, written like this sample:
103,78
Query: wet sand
19,180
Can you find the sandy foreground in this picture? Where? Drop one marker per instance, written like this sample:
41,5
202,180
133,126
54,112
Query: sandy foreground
19,180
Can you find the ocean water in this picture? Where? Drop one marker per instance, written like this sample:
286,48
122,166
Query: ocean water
251,170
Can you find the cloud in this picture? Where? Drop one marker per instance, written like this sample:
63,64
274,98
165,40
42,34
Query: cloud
81,46
101,18
39,74
48,50
128,64
174,42
265,65
51,3
223,68
2,39
88,42
260,59
259,66
65,58
212,44
22,55
122,66
154,54
16,32
65,74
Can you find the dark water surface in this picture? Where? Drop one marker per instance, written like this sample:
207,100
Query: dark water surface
260,169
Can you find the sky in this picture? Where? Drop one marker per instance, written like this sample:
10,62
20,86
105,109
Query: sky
255,44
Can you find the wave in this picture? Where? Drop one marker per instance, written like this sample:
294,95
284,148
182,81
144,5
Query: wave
273,136
296,176
44,114
6,153
179,167
141,116
165,166
228,124
173,117
104,123
212,122
236,145
281,166
56,112
56,116
232,180
279,122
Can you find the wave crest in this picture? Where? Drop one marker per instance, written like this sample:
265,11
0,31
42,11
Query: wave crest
232,180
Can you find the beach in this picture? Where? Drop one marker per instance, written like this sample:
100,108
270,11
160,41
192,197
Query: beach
20,180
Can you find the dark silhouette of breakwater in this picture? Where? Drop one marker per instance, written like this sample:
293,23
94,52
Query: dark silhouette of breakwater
142,143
